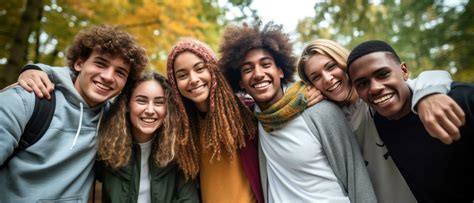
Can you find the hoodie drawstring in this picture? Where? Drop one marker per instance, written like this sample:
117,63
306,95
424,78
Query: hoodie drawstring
78,128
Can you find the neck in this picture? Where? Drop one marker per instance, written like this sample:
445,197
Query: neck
405,110
267,104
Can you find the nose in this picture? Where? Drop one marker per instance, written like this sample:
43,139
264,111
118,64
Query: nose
150,108
327,77
107,74
375,87
193,78
259,72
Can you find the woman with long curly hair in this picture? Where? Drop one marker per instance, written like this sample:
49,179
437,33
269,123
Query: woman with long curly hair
137,146
218,140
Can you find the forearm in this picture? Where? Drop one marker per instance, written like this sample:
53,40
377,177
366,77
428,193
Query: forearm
427,83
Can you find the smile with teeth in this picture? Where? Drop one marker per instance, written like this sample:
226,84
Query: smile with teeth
149,120
197,89
261,85
334,86
102,86
383,98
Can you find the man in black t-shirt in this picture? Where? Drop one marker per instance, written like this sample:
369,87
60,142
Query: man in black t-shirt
435,172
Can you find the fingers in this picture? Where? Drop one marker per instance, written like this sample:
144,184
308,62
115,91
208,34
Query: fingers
436,131
47,87
25,85
459,113
315,100
314,96
36,87
36,81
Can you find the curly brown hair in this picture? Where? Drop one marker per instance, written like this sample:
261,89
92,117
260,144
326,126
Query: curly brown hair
237,41
226,124
107,39
115,138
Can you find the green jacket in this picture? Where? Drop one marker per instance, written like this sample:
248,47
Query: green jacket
167,184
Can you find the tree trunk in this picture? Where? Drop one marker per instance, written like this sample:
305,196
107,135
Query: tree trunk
19,50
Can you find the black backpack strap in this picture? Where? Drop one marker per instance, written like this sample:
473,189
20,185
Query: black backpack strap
37,125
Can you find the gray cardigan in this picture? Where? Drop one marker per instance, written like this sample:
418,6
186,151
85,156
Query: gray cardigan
328,123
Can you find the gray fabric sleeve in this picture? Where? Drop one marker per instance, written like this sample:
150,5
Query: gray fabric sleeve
327,120
55,74
427,83
16,108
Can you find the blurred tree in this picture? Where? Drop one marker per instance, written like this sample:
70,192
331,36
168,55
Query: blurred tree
157,25
426,34
19,46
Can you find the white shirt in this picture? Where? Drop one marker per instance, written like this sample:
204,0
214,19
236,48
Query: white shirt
297,167
144,194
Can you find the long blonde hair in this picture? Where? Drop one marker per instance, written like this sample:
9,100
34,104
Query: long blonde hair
115,138
334,51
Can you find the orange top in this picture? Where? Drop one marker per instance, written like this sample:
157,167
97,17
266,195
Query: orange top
224,180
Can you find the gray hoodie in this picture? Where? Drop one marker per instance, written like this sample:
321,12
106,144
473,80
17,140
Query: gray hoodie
59,167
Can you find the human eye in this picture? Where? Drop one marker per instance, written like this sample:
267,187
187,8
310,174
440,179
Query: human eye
141,100
360,84
181,75
100,64
332,66
122,73
200,68
315,77
383,74
246,69
267,63
159,102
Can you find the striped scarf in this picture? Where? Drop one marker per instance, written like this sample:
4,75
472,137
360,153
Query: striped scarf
293,102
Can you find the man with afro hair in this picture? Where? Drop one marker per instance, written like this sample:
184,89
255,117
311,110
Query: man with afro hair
308,154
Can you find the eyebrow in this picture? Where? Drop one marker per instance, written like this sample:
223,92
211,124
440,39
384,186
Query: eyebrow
327,64
145,97
373,73
102,59
262,59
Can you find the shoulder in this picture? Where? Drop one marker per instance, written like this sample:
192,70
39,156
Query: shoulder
324,107
16,95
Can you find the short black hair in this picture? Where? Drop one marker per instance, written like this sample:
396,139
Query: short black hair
369,47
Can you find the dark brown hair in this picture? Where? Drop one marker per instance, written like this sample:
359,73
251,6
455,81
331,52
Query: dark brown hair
237,41
107,39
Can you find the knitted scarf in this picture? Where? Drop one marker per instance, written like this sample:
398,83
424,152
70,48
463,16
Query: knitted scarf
293,102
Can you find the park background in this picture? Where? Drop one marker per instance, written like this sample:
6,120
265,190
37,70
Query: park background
427,34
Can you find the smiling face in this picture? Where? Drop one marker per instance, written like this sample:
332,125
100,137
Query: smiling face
147,110
261,78
100,77
327,77
381,82
193,79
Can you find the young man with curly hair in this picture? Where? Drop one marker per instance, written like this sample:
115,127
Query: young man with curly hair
308,154
59,167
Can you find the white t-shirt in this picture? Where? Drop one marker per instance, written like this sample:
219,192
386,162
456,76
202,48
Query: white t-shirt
144,194
297,167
